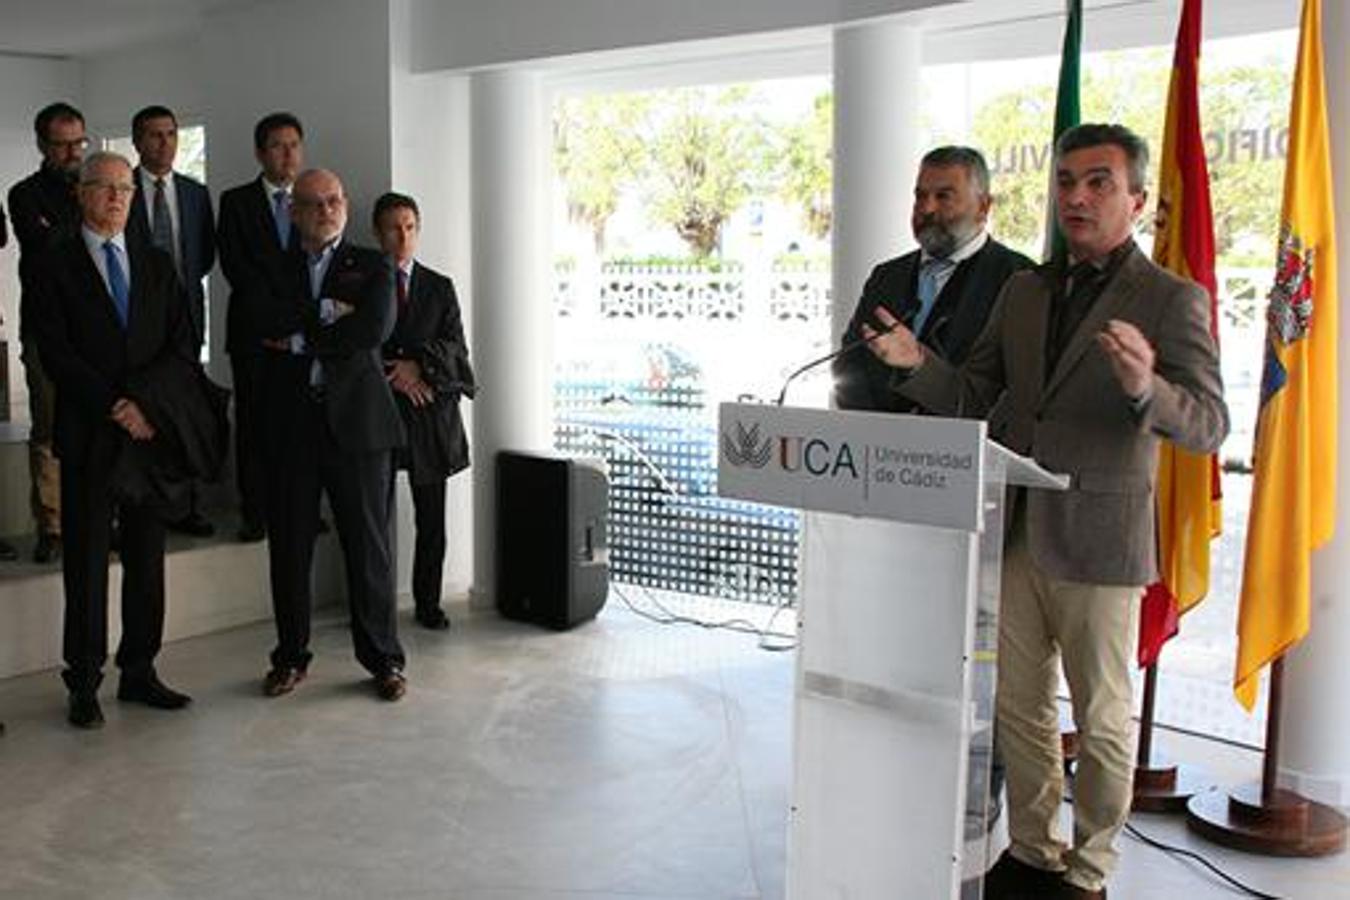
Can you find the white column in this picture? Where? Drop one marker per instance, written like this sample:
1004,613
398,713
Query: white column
512,306
876,154
1315,751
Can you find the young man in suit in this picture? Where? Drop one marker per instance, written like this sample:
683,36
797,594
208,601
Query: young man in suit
45,211
254,234
331,426
427,364
1100,356
172,211
944,290
105,311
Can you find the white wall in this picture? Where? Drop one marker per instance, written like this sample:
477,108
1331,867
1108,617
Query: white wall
115,85
26,85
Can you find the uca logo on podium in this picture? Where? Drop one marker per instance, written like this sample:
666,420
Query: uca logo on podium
744,446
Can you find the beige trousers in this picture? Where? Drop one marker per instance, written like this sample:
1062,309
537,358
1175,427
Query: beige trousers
43,468
1094,630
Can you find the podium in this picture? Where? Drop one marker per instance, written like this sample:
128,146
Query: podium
901,556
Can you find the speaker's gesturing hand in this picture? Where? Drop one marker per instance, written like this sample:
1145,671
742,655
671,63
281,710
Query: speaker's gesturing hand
1131,357
895,346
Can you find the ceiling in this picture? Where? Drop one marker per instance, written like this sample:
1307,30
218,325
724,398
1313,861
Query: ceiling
83,27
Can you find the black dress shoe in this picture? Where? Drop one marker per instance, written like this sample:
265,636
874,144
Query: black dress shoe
391,685
434,618
84,710
1012,879
8,552
151,691
48,549
251,532
194,524
282,680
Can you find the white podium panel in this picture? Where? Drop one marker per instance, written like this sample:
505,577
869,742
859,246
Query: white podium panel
900,571
884,715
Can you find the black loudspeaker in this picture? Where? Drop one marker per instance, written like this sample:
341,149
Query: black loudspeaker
552,548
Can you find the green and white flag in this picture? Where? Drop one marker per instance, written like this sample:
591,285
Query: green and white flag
1068,113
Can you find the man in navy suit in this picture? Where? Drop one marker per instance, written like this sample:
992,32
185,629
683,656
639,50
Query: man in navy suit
330,426
427,364
172,211
108,313
255,233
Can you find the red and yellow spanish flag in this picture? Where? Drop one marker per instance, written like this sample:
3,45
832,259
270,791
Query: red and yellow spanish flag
1294,488
1189,509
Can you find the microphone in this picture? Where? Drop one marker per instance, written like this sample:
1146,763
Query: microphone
847,348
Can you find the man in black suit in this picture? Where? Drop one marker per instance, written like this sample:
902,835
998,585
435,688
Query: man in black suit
254,234
45,211
330,425
427,364
945,289
172,211
104,312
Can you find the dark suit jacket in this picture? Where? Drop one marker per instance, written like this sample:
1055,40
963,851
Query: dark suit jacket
254,262
84,349
429,331
959,314
358,402
1076,419
196,238
44,211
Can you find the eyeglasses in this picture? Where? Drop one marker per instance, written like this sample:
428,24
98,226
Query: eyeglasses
76,144
117,187
332,201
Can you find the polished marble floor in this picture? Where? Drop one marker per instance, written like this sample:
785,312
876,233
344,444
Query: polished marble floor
620,760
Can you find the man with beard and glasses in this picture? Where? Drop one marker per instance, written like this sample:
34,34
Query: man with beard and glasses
45,211
944,290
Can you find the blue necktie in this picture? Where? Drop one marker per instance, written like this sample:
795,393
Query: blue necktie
929,271
117,282
281,213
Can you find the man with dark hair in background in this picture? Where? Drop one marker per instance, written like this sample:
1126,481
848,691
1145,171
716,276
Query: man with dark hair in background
45,210
427,365
255,234
944,289
172,211
1095,358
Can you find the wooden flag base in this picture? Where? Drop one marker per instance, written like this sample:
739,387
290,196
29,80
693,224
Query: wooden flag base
1165,787
1286,825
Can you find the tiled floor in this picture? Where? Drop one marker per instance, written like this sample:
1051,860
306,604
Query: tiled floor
620,760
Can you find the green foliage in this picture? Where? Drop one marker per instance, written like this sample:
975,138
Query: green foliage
806,162
707,153
598,150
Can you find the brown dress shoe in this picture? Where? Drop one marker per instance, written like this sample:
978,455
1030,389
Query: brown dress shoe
282,680
391,685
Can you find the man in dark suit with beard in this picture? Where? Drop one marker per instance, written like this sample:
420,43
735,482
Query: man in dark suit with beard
172,211
427,364
106,312
255,234
330,425
45,211
944,290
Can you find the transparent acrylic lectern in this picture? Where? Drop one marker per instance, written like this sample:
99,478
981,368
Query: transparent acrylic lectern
894,699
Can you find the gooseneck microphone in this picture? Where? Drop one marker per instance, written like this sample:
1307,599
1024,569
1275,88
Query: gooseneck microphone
847,348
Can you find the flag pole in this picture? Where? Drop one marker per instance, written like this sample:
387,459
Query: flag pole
1161,784
1265,818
